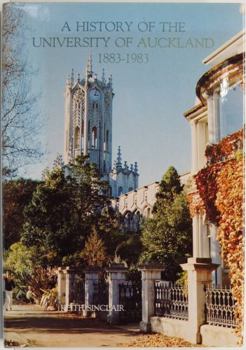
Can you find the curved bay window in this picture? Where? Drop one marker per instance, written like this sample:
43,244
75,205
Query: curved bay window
231,110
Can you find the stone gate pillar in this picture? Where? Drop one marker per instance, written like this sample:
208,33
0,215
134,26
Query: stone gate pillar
150,273
68,286
61,286
91,278
69,289
199,274
116,276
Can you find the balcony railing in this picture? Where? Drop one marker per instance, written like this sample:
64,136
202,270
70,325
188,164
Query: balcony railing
171,300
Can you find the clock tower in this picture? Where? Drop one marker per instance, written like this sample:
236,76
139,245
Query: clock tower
88,119
88,129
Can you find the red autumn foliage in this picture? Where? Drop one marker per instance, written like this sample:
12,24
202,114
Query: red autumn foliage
225,149
220,194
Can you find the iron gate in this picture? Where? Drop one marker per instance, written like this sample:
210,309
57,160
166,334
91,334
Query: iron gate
130,296
100,292
77,295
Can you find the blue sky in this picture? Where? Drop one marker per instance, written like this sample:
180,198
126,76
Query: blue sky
150,99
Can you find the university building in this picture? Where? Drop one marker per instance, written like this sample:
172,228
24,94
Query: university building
88,129
216,117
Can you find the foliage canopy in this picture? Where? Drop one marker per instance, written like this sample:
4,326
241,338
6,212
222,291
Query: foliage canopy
167,236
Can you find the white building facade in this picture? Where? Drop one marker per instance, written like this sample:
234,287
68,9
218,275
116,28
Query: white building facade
217,114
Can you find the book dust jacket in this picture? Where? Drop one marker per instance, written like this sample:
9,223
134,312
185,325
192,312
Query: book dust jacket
122,174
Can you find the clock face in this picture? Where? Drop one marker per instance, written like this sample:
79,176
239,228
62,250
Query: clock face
94,94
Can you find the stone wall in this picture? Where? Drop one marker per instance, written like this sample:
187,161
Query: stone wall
211,335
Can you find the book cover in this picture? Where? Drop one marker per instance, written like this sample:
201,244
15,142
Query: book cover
122,167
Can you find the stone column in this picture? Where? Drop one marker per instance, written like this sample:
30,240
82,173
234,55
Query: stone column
200,237
199,274
205,249
116,276
217,131
195,235
61,286
194,146
149,273
210,104
201,144
91,278
213,118
67,273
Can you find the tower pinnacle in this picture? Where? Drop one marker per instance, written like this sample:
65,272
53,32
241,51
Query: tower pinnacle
118,162
110,80
72,77
89,66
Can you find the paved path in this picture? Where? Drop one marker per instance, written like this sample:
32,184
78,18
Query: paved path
30,325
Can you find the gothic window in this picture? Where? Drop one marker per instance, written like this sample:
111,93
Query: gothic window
110,191
128,221
148,212
107,139
104,166
82,131
146,196
89,128
120,190
95,105
76,137
94,137
137,218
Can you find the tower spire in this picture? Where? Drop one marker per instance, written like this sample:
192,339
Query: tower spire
110,80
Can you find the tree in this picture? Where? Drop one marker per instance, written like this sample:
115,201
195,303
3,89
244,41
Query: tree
94,253
19,260
64,209
129,248
167,236
22,262
16,195
19,120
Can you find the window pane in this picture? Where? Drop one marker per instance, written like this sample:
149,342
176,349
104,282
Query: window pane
231,111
